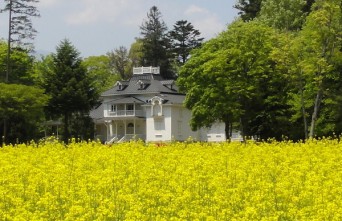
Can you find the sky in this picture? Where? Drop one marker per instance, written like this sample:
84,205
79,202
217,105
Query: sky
96,27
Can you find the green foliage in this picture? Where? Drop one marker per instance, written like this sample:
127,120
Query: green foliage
249,9
21,107
21,65
283,14
184,37
100,72
156,43
69,85
136,53
231,79
120,62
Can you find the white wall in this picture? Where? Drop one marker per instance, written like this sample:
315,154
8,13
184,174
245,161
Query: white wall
181,124
214,134
158,128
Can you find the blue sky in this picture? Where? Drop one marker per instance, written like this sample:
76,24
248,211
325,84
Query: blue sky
96,27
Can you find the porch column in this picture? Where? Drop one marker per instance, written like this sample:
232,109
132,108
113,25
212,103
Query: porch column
116,129
111,129
134,126
125,125
107,129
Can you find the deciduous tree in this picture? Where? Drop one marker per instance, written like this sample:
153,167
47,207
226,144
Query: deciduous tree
120,62
286,15
100,72
231,79
22,107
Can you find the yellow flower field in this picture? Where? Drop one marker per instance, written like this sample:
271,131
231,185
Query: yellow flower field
178,181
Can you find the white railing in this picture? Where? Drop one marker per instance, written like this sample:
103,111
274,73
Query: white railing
146,70
120,113
131,137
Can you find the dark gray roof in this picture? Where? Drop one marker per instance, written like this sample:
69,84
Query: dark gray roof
127,100
97,113
153,84
172,98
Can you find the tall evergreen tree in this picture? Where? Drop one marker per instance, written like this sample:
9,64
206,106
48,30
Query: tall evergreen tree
20,27
184,37
156,42
69,86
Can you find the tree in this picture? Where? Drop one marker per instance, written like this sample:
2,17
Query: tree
22,107
321,37
136,53
156,43
20,26
22,65
311,61
69,86
119,60
249,9
184,37
100,72
231,79
283,14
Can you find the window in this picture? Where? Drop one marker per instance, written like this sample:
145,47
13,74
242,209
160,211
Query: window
113,108
130,107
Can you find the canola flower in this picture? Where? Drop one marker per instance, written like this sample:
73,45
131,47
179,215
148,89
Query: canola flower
176,181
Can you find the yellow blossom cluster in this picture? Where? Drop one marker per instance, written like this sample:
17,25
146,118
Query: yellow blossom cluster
177,181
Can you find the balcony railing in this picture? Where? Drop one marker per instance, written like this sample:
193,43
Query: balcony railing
146,70
129,113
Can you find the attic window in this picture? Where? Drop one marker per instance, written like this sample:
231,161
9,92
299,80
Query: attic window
120,86
142,85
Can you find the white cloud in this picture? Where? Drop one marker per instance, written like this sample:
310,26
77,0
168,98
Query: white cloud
92,11
47,3
208,23
194,9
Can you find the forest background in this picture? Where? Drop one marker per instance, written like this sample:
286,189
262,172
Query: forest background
276,71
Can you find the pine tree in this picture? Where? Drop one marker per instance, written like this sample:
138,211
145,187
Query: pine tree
156,43
184,37
69,86
20,27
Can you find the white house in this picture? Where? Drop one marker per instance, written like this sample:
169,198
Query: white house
147,107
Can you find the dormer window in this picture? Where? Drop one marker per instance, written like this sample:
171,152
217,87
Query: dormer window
121,85
142,85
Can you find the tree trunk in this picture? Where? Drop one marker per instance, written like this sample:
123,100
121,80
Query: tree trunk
315,112
4,132
9,44
304,114
227,129
66,128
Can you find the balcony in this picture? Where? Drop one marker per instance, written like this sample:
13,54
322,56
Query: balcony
126,113
146,70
